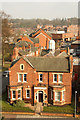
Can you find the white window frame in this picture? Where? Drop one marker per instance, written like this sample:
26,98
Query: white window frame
29,93
39,77
12,94
56,94
20,94
59,78
18,78
54,77
63,96
20,66
23,78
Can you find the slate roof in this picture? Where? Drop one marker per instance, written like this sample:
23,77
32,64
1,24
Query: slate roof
22,52
35,40
25,52
50,63
21,43
53,64
62,54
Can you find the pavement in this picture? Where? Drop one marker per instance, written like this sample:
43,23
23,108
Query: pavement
44,118
36,117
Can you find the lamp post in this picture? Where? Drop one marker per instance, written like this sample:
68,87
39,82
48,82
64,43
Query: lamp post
75,102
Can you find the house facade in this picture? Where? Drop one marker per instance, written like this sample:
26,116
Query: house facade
41,79
43,37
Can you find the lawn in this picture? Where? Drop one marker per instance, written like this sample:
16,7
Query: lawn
6,107
60,109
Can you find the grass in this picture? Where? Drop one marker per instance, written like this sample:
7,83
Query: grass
67,109
6,107
59,109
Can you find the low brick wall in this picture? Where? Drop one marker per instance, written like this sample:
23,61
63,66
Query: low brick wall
59,114
18,113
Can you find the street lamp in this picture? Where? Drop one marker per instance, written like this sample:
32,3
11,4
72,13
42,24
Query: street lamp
75,102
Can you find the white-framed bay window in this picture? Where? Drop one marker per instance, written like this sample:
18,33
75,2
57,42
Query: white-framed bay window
13,94
63,96
35,96
51,94
28,93
57,96
19,94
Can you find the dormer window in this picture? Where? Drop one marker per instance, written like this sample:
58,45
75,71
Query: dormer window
21,67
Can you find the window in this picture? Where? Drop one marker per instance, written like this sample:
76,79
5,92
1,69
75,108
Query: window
35,96
28,93
55,78
24,77
21,67
9,93
40,77
63,95
51,94
57,96
13,94
45,47
19,77
60,77
19,93
42,47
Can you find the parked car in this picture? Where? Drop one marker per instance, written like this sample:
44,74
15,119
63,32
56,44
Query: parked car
6,73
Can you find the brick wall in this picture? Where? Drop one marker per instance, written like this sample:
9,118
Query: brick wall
33,80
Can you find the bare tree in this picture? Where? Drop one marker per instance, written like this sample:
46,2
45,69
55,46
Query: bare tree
6,32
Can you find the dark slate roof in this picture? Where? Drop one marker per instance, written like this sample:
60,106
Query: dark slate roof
53,64
22,52
14,62
62,54
21,43
35,40
57,52
25,52
49,63
44,52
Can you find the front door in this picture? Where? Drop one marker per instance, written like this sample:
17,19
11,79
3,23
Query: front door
41,96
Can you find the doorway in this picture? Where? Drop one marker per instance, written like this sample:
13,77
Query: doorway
40,96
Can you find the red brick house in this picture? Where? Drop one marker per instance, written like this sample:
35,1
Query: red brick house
25,48
41,79
44,38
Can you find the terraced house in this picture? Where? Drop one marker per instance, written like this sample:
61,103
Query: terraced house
41,79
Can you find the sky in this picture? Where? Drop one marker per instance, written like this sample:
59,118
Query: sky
44,10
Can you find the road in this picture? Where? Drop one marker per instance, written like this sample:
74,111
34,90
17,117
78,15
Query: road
41,119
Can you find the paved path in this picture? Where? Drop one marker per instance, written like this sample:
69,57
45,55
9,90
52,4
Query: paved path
42,119
38,108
